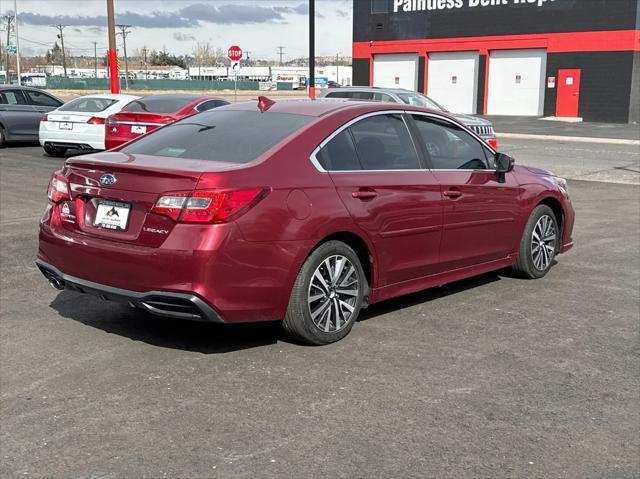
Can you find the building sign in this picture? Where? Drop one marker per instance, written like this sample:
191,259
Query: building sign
422,5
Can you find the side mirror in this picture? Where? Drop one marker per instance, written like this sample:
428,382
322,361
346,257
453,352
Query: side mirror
504,163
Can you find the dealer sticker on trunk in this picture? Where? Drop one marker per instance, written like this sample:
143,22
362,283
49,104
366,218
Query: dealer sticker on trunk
112,215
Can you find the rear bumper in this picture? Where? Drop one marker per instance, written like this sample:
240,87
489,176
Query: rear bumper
173,305
70,139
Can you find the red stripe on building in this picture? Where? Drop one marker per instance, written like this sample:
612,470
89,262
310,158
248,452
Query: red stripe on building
617,40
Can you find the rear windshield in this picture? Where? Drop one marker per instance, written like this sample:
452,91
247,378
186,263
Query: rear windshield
230,136
88,105
158,105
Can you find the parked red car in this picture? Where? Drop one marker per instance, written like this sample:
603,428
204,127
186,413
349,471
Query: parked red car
144,115
301,211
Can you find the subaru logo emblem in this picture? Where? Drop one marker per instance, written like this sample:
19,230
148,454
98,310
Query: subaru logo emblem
107,179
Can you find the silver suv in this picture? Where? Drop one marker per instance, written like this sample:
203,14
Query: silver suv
483,128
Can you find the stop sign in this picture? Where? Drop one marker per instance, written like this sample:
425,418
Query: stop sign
234,53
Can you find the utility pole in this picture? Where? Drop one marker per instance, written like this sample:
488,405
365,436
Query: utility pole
281,52
61,27
9,20
113,55
337,61
15,13
124,32
144,61
95,60
312,49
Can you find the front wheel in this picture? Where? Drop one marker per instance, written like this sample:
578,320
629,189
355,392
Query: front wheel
327,296
538,245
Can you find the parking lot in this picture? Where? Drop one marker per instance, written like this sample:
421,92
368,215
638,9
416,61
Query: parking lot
489,377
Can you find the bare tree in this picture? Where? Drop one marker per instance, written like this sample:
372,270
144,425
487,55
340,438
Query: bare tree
203,54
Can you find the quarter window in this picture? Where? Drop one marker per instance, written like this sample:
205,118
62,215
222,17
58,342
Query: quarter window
449,146
339,154
383,143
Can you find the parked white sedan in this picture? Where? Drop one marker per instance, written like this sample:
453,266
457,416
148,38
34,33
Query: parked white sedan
79,124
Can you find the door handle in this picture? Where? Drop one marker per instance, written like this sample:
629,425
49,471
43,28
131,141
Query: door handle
452,194
364,194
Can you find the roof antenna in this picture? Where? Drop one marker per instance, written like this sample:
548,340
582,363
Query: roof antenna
265,103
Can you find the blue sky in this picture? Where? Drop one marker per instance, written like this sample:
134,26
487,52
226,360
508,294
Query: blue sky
259,26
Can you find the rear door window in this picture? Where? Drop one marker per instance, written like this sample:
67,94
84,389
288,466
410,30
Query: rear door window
42,99
12,97
220,135
384,143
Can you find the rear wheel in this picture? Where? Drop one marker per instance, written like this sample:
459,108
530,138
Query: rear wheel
54,151
538,245
327,296
3,138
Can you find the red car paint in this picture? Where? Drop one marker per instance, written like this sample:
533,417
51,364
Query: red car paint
420,228
120,127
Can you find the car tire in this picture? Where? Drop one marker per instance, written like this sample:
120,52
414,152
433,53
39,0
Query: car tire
327,296
53,151
539,244
3,138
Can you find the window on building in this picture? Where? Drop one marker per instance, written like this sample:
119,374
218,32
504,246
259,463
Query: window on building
379,6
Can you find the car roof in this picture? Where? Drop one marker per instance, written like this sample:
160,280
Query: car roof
110,96
21,87
176,96
326,106
374,89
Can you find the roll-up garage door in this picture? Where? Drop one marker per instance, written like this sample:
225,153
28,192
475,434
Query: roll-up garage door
453,80
516,82
396,70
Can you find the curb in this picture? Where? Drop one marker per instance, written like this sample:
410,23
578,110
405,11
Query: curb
575,139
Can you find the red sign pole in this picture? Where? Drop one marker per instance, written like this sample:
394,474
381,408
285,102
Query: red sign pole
113,71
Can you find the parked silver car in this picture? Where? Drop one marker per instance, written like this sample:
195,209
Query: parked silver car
21,109
480,126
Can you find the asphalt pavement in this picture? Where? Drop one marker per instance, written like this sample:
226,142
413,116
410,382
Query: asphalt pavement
490,377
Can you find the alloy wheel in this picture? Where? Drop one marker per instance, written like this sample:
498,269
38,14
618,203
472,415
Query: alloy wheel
333,293
543,243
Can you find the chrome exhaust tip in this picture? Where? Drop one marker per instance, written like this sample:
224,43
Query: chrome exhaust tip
56,283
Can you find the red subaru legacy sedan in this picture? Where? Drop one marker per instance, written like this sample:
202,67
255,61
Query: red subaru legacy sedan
300,211
146,114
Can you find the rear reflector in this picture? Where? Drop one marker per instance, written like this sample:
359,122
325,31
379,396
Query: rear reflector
44,118
96,121
493,143
207,206
58,188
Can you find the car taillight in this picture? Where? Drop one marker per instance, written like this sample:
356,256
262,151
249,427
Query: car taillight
111,121
493,143
58,188
95,120
207,206
44,118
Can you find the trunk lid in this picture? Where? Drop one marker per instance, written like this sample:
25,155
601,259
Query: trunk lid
137,183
